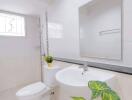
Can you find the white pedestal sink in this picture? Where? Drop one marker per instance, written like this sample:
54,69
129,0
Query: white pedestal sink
73,83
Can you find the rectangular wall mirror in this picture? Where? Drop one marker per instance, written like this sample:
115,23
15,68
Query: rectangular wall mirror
101,29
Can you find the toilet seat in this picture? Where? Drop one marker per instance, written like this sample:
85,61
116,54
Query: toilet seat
33,89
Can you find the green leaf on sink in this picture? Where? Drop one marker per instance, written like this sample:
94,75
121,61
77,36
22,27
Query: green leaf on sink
110,95
97,85
99,88
95,94
78,98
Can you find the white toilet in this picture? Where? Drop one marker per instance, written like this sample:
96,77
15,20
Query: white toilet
39,90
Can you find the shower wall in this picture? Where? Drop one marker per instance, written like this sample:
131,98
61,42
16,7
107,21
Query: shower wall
20,57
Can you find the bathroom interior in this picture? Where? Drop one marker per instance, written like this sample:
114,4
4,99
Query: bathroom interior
65,50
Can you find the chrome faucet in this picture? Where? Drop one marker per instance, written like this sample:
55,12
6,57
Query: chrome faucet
84,67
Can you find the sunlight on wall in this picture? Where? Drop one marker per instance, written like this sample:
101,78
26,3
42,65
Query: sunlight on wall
55,30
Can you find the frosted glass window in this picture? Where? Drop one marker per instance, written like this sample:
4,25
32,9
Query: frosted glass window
12,25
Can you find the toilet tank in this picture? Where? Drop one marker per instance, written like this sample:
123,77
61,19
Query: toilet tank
49,75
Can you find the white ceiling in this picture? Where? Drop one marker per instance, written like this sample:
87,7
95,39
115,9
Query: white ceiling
32,7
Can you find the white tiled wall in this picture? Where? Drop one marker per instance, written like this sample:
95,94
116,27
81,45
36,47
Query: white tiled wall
65,13
20,57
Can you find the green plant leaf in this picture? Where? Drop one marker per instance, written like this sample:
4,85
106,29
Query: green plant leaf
95,94
78,98
110,95
97,85
49,59
97,88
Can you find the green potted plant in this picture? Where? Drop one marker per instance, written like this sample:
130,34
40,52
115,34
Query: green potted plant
100,89
49,60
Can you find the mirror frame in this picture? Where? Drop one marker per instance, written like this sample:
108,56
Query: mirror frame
122,30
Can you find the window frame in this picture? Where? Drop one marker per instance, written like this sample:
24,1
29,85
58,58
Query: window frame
15,14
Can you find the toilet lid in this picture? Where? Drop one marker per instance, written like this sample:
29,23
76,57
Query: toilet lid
31,89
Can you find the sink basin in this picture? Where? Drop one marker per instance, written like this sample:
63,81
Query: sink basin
72,76
73,83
